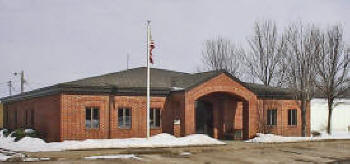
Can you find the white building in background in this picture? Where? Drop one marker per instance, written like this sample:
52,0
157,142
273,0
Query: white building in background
340,121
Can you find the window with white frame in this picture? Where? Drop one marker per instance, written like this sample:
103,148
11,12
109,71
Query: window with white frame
92,117
124,118
272,117
155,118
292,117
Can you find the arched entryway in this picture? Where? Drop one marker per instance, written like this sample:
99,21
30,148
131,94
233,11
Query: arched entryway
204,117
216,90
221,115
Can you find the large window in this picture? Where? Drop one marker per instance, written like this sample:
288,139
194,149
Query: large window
292,117
92,117
124,118
272,117
155,118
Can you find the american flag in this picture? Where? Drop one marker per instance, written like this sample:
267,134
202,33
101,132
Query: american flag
151,46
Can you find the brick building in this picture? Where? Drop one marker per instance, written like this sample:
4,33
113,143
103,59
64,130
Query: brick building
114,106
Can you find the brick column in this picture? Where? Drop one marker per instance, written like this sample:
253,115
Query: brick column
216,121
177,128
190,121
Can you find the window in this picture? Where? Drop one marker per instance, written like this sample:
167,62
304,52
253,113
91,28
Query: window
155,118
92,117
292,117
272,117
124,118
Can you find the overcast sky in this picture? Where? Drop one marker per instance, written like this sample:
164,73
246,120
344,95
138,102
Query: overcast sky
62,40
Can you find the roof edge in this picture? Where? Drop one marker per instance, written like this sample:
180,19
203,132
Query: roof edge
217,73
64,88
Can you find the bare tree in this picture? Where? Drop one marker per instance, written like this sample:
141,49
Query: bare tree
300,61
332,66
221,54
264,55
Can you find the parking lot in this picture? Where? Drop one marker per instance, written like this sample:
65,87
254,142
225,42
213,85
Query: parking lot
336,151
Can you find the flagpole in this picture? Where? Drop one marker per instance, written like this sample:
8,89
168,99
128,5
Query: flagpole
148,76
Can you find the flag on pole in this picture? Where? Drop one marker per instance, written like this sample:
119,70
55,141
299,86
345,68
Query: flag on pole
151,46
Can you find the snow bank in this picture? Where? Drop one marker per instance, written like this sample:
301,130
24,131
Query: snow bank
185,153
4,157
335,135
118,156
28,144
35,159
271,138
28,131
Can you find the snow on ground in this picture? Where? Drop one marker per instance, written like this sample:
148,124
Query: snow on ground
336,135
35,159
28,144
118,156
185,153
6,154
29,131
271,138
4,157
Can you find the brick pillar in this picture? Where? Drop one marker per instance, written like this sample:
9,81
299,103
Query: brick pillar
177,128
216,120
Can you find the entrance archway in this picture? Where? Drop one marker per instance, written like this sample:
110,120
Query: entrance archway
222,84
221,115
204,117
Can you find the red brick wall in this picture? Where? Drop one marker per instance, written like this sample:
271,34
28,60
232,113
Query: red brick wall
282,127
138,106
46,115
239,116
73,116
174,109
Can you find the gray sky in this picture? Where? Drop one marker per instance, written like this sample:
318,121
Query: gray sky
62,40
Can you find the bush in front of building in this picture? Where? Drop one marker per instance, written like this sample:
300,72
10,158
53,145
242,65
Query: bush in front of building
21,133
5,132
315,134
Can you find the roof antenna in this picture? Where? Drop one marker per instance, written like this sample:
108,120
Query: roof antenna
127,61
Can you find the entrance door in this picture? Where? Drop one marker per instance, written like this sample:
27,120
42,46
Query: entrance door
204,118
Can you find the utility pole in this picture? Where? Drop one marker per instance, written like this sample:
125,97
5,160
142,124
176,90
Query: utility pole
22,80
10,87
